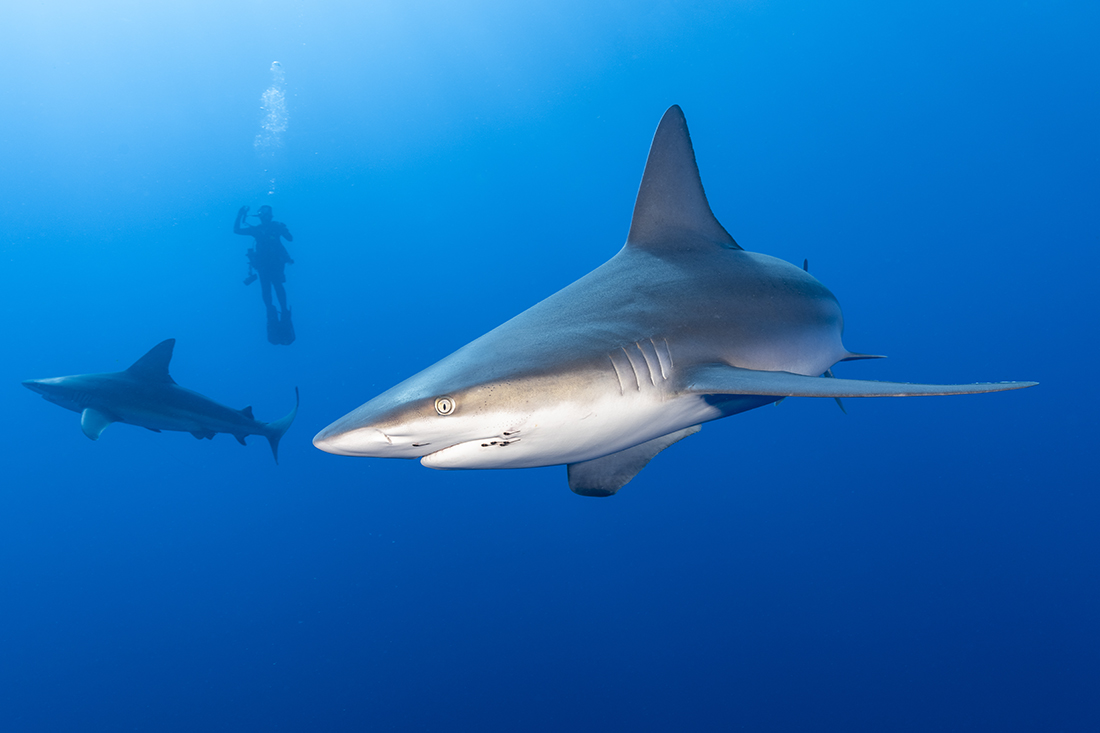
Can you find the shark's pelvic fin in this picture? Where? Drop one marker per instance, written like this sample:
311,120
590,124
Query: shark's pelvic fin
839,402
153,367
93,422
724,379
604,476
276,429
671,211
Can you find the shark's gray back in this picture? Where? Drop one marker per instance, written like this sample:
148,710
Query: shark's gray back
723,305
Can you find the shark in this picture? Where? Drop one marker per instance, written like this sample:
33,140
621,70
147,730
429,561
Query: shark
146,395
681,327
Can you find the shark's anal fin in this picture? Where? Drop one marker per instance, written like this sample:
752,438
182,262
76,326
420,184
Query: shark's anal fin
725,379
153,367
93,422
604,476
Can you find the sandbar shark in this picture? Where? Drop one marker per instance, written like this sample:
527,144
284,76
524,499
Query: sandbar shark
145,395
681,327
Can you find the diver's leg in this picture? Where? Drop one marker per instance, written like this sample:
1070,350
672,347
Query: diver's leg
280,291
265,291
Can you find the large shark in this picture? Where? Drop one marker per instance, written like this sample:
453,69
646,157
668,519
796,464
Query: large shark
146,396
681,327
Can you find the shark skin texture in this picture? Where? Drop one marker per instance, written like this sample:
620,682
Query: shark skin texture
679,328
145,395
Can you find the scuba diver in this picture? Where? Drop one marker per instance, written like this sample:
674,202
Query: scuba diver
266,260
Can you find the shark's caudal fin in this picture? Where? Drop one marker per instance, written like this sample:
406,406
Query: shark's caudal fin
276,429
724,379
671,211
153,367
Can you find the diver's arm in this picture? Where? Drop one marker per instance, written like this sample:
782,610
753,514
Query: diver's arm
241,213
286,233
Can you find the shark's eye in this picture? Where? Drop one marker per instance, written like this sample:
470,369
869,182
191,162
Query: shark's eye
444,405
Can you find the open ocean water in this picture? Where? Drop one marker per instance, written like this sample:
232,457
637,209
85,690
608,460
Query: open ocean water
916,565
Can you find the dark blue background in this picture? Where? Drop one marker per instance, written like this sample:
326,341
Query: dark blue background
925,564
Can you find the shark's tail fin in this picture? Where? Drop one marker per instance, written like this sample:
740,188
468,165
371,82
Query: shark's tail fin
276,428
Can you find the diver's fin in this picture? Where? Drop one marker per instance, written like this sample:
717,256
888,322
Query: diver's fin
606,475
725,379
93,422
286,329
272,325
153,367
276,429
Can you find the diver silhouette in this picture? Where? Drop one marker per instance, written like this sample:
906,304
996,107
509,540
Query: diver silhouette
267,259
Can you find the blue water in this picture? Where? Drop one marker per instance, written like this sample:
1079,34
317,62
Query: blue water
922,564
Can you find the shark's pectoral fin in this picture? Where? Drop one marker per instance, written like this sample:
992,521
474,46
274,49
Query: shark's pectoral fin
725,379
93,422
604,476
240,439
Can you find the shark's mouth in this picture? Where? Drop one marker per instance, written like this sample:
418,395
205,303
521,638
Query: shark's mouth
477,453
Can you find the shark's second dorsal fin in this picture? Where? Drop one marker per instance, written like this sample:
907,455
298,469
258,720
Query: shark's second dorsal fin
153,367
671,211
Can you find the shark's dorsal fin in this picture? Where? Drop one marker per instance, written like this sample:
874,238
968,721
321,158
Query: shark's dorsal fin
153,367
671,211
247,412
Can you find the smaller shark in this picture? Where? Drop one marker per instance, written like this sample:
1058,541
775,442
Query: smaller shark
146,396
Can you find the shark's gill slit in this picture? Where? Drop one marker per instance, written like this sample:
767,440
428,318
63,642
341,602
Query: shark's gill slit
665,361
618,374
649,362
637,379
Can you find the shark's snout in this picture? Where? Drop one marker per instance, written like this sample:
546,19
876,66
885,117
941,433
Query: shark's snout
41,386
354,442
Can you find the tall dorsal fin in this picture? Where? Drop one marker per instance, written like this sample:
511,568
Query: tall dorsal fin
671,211
247,412
153,367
